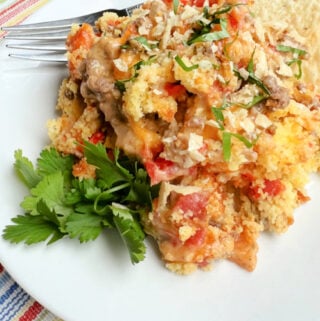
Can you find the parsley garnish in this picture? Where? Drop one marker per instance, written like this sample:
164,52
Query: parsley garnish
62,205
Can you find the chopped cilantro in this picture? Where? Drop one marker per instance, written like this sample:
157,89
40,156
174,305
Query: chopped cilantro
121,84
226,136
252,78
205,34
181,63
297,55
176,4
226,143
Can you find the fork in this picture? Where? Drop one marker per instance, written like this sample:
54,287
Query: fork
50,36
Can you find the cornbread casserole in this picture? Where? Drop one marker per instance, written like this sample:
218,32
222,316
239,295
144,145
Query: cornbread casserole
219,103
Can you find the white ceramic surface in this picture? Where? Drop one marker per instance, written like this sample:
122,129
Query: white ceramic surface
96,281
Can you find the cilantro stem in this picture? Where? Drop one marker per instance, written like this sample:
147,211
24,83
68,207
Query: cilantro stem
107,196
117,188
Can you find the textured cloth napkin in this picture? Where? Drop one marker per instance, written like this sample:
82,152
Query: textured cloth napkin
15,303
13,12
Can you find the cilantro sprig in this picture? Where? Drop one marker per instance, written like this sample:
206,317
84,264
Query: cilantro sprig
61,205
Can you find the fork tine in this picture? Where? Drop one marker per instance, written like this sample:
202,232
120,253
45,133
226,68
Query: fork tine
39,46
59,58
48,26
38,36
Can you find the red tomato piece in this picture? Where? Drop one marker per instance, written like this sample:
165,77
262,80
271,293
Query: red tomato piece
253,192
195,203
175,90
197,239
160,169
234,20
97,137
273,187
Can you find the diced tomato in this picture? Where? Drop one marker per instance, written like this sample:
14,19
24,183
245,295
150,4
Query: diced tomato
195,203
197,239
270,187
160,169
253,192
233,18
273,187
97,137
175,90
247,177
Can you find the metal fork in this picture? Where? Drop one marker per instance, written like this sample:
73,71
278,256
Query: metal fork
49,37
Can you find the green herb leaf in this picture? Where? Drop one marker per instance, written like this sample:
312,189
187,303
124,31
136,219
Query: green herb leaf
25,170
176,4
218,114
255,100
252,78
51,189
49,214
50,161
31,229
297,54
121,84
212,36
295,51
180,62
109,171
226,143
207,36
244,140
299,63
85,226
226,146
130,231
144,42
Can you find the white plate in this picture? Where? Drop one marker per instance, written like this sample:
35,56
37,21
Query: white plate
96,281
